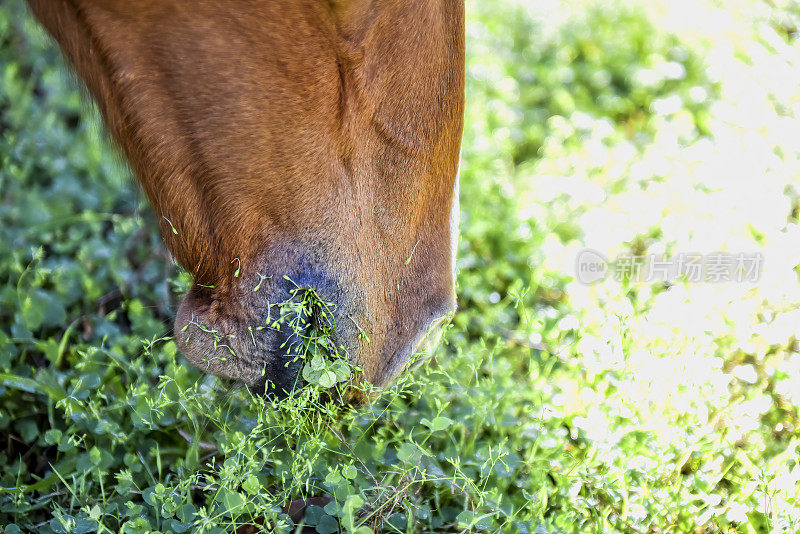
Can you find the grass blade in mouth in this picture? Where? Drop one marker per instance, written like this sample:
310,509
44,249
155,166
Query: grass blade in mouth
310,322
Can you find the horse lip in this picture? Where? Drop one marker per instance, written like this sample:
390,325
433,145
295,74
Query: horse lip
212,338
423,345
427,343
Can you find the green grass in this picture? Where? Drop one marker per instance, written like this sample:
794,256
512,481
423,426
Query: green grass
551,406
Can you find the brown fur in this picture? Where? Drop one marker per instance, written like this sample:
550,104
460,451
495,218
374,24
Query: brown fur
295,136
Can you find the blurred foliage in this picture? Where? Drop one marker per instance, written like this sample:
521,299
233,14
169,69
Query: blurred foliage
551,407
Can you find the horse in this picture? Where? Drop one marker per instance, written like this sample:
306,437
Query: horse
288,144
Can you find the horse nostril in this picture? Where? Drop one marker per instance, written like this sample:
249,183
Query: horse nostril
279,380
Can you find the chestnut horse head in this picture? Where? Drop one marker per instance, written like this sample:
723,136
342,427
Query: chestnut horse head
306,142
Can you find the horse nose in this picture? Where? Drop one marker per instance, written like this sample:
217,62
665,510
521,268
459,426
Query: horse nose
258,334
279,380
253,333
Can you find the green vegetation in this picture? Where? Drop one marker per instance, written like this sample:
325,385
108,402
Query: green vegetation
312,321
552,406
